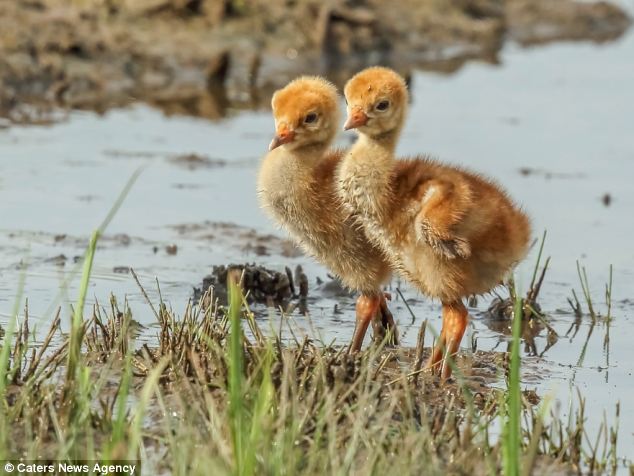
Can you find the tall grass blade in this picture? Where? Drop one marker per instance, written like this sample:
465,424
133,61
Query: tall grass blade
236,378
101,229
608,297
77,325
119,419
512,433
149,388
76,333
539,258
261,410
5,351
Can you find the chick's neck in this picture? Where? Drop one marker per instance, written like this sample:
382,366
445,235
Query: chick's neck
309,156
378,151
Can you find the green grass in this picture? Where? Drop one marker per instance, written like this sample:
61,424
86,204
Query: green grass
243,462
209,396
512,435
76,333
5,351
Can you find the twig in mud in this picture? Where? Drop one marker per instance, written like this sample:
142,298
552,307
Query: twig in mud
409,375
288,324
255,329
35,362
20,345
315,331
384,360
147,299
533,291
51,363
474,342
540,316
576,306
585,287
158,289
420,345
608,297
291,284
539,257
582,355
407,305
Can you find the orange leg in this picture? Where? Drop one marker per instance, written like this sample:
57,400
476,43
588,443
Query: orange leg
367,308
454,323
387,320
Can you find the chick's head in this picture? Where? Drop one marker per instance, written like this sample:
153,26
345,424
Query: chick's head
377,101
306,113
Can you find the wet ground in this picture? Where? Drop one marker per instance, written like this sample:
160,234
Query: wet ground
553,124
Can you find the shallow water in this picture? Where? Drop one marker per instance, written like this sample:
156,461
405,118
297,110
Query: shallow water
562,111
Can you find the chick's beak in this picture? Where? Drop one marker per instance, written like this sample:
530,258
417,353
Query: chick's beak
357,118
283,136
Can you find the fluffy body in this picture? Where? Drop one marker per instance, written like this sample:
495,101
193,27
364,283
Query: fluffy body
450,232
299,193
478,233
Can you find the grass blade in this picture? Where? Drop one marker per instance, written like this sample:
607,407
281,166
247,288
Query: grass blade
512,433
78,316
236,378
5,351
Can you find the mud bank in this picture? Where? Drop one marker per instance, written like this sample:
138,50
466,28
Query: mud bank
203,57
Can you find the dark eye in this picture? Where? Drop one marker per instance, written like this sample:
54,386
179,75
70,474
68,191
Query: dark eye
383,105
310,118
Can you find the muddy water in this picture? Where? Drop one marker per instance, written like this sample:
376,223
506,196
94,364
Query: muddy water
553,124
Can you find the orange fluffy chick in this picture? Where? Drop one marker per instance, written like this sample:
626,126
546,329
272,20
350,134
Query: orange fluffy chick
450,232
296,186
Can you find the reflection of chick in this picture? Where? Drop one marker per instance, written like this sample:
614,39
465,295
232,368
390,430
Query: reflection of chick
296,186
452,233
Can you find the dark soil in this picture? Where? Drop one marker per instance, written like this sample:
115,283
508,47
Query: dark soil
204,57
258,283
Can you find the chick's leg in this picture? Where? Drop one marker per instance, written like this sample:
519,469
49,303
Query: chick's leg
386,322
366,309
454,323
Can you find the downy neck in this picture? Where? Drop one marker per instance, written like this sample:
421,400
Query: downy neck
367,173
309,156
295,166
377,151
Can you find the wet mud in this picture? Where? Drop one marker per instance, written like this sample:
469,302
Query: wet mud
259,284
247,239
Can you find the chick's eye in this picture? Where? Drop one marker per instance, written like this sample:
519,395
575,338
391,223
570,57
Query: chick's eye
382,106
310,118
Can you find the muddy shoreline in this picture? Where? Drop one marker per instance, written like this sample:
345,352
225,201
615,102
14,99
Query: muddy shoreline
204,57
185,378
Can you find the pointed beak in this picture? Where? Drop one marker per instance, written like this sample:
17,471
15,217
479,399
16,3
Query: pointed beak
356,119
283,136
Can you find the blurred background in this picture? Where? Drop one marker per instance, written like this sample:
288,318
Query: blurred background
210,57
535,93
